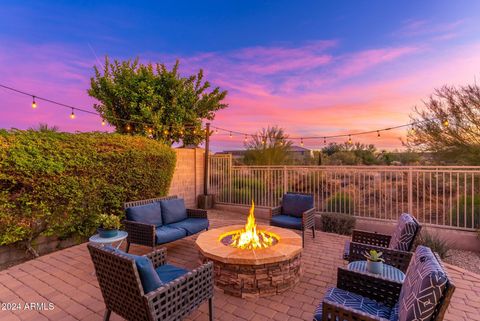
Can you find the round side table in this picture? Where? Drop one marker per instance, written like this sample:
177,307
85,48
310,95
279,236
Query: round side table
388,272
120,237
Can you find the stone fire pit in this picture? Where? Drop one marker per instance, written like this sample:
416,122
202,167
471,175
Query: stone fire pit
253,273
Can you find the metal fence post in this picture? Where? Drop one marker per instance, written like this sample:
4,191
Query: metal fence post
285,179
410,190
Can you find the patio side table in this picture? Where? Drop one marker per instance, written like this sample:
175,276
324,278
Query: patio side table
389,272
120,237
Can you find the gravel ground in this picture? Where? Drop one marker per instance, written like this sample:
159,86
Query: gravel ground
465,259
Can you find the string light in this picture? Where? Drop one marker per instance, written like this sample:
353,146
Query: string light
378,133
103,122
34,103
350,139
165,132
128,127
445,123
245,139
181,132
150,130
230,134
325,140
216,131
301,142
72,115
194,131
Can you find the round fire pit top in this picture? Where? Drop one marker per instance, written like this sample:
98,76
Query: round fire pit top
289,244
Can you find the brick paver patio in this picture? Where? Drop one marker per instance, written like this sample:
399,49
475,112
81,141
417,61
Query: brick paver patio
65,279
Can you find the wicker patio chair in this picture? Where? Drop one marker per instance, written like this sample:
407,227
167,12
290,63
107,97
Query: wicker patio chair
145,234
123,292
395,248
424,295
297,211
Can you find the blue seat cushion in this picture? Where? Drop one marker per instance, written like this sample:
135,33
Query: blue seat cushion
149,214
169,272
149,277
346,250
166,234
394,313
424,286
173,210
353,301
287,221
405,231
191,225
296,204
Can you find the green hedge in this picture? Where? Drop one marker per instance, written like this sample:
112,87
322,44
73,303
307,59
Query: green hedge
56,184
337,223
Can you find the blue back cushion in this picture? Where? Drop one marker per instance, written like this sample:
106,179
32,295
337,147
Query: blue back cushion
173,210
149,214
296,204
149,277
424,285
405,231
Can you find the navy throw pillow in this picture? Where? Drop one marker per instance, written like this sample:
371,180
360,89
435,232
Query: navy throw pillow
296,204
149,277
173,210
149,214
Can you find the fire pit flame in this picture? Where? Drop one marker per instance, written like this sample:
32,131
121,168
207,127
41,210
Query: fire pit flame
249,238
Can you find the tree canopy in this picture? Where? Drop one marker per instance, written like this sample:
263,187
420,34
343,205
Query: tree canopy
173,106
270,146
448,125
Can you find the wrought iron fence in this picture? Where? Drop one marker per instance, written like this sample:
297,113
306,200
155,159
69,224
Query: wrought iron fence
439,195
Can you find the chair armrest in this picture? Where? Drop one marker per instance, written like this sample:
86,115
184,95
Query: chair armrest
277,210
308,218
158,257
374,287
335,311
140,233
396,258
197,213
372,238
179,297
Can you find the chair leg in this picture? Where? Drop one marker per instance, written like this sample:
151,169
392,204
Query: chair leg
210,309
128,247
303,238
106,316
313,231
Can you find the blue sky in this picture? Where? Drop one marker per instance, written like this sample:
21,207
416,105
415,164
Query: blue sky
330,67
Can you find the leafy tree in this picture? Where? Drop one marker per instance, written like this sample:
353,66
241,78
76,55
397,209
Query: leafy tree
268,147
351,154
152,94
448,125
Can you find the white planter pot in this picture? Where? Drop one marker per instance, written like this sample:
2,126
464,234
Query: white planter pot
375,267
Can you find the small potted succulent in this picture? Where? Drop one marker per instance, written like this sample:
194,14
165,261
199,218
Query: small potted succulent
374,262
108,225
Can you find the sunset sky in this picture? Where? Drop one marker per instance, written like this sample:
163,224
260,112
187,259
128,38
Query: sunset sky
311,67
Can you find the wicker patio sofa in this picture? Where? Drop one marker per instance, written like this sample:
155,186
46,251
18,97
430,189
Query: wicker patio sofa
156,221
395,248
424,295
297,211
123,283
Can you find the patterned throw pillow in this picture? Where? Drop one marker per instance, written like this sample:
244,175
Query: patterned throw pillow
404,233
424,285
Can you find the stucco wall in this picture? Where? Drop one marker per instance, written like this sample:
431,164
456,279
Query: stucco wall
187,179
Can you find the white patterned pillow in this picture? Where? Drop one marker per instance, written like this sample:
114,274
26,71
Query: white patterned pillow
404,233
424,285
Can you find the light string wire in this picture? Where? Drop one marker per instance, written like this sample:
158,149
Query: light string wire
215,128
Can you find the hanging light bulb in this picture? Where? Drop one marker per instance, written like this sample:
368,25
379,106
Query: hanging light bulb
445,123
150,130
301,142
72,115
264,141
245,139
181,132
350,139
194,131
128,127
216,131
34,103
230,135
325,140
103,122
378,133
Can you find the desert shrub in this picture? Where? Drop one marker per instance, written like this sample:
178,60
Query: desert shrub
56,184
338,223
435,243
243,189
465,203
339,203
